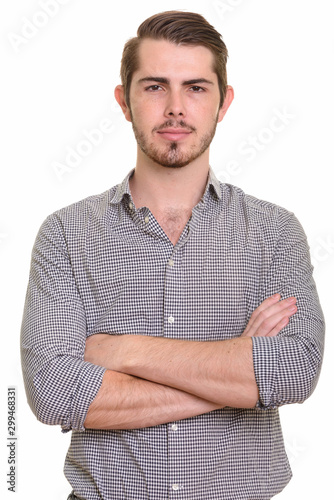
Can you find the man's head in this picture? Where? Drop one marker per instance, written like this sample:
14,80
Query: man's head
174,89
177,27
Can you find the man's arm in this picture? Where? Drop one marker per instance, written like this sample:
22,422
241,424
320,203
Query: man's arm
221,371
287,367
126,402
61,386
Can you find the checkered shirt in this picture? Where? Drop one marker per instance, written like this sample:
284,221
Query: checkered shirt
103,266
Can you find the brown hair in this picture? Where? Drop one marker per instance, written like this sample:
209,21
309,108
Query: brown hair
177,27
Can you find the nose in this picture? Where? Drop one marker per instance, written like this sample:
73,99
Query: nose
175,104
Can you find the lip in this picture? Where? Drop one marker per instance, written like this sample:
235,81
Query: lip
174,134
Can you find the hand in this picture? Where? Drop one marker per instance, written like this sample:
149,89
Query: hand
270,317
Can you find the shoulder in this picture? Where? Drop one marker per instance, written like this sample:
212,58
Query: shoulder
260,215
236,198
92,206
97,203
76,219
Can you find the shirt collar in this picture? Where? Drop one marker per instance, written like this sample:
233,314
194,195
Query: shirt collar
214,184
213,187
122,189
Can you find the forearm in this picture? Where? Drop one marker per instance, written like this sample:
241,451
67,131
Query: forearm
127,402
221,371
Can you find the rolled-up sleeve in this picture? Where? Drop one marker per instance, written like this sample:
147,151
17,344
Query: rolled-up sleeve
60,385
287,367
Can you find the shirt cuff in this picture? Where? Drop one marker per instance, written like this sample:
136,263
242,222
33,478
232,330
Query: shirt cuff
266,361
90,376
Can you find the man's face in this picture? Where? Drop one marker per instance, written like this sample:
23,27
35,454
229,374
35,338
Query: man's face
174,102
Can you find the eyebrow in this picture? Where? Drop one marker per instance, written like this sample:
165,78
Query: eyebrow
158,79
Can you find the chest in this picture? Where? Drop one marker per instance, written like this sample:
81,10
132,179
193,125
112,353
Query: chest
203,289
173,222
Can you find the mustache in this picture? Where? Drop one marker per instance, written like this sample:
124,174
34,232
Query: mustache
174,124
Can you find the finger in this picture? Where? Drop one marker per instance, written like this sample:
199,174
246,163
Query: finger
275,331
268,314
263,306
267,309
272,325
275,312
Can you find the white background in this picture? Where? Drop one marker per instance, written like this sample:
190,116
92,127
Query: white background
58,81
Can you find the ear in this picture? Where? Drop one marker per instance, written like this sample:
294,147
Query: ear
227,102
120,98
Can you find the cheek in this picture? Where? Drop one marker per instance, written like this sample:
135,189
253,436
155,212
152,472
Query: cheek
144,109
203,111
146,117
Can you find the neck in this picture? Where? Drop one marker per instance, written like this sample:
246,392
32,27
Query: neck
160,188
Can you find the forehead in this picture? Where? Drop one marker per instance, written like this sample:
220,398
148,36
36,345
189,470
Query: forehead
160,57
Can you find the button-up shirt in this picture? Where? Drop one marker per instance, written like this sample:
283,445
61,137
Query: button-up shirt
103,266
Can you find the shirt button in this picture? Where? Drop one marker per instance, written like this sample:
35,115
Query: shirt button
174,427
146,219
175,487
171,262
171,319
130,206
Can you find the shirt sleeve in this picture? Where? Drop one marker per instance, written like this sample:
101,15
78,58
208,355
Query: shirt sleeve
59,384
287,367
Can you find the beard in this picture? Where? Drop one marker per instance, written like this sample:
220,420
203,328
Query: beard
171,155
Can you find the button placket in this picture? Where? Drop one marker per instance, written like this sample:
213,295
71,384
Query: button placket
172,290
171,281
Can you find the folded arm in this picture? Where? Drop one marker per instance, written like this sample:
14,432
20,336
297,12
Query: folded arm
61,386
221,371
178,379
287,367
276,361
126,402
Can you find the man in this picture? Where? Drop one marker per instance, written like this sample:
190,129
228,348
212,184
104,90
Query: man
187,292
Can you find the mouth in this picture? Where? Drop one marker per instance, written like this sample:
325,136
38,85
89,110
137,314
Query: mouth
174,134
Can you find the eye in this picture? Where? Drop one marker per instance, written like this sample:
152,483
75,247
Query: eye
196,88
153,88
